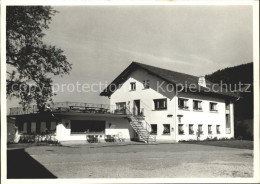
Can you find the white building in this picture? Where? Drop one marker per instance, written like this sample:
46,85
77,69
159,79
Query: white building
172,106
146,103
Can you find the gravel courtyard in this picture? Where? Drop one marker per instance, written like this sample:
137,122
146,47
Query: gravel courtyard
126,160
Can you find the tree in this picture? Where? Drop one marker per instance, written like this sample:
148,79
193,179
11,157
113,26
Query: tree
30,62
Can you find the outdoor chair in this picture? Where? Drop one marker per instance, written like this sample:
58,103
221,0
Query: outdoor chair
109,138
116,138
90,138
96,139
120,137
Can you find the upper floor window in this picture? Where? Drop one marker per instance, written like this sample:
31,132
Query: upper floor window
213,106
197,105
121,105
227,104
160,104
183,103
146,84
120,108
133,86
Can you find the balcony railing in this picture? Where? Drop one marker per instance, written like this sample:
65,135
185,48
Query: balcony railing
71,107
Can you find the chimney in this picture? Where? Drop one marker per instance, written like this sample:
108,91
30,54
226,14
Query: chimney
202,81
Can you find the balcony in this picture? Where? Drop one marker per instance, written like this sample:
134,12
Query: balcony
59,107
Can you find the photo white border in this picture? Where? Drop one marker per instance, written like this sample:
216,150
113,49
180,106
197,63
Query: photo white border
254,4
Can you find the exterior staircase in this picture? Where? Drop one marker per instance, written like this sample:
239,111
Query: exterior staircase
142,128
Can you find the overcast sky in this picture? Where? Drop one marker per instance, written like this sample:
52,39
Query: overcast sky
101,41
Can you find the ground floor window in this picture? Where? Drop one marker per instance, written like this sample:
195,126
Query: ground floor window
209,129
228,130
37,127
20,126
218,129
180,129
166,129
24,127
191,131
154,129
87,126
200,130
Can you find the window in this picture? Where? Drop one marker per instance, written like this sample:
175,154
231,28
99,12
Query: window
53,126
209,129
25,127
160,104
180,129
120,107
20,126
146,84
228,128
191,131
197,105
85,126
166,129
218,129
200,131
227,105
213,107
154,129
33,127
133,86
183,103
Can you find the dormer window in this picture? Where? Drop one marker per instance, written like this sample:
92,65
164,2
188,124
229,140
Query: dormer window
146,84
133,86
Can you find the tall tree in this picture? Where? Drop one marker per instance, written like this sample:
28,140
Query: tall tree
31,63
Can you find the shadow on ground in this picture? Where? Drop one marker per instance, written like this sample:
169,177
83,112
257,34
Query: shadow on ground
21,165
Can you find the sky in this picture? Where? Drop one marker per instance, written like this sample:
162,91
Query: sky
101,41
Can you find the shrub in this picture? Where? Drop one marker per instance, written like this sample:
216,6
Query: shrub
38,138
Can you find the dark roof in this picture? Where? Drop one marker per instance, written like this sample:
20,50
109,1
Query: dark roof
170,76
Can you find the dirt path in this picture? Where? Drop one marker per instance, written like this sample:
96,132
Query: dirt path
144,161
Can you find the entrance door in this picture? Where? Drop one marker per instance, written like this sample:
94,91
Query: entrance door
136,109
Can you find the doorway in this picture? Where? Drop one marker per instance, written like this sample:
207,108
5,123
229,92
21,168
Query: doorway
136,108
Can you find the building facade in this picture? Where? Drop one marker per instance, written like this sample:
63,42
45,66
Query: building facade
173,114
147,103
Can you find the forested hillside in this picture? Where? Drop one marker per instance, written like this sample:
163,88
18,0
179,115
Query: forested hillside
243,108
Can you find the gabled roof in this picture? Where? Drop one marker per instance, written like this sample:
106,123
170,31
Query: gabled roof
170,76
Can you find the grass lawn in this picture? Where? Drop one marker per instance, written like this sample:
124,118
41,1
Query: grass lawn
241,144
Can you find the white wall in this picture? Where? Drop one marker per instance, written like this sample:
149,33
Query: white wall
146,96
118,124
160,117
204,117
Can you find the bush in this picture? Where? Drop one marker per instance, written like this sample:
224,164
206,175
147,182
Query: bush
38,138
